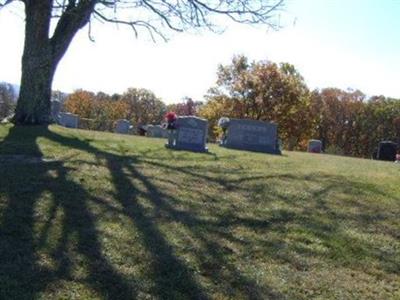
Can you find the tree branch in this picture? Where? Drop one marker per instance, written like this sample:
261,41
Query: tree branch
5,3
72,19
133,24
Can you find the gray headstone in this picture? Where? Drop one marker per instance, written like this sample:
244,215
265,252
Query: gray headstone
387,151
314,146
150,130
55,110
122,126
156,131
252,135
69,120
190,134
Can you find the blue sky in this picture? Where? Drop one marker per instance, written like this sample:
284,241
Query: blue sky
333,43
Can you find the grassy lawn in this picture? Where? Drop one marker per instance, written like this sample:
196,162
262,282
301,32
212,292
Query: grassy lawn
115,217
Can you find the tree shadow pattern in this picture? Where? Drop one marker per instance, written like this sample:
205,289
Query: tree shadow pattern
204,263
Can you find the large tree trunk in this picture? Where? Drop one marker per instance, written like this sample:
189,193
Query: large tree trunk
42,54
33,105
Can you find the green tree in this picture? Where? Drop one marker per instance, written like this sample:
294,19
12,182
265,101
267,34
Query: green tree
44,47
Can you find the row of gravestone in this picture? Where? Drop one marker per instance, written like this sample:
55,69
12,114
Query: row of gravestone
72,121
191,134
121,126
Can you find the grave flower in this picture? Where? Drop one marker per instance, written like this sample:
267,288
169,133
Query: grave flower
171,117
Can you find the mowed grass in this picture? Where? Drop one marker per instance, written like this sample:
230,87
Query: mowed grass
119,217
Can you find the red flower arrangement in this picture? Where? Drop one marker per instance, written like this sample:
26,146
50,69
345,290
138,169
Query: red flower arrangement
171,118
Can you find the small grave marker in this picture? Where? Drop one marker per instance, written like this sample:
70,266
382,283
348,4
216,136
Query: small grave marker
314,146
387,150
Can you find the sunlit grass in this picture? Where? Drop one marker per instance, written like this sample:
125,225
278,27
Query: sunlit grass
113,216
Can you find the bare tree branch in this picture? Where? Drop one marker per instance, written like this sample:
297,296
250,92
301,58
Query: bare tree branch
155,17
134,24
181,15
5,3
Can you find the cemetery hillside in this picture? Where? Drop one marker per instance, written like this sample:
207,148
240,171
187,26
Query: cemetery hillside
347,122
97,215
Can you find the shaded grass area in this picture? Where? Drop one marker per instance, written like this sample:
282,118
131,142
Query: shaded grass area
114,217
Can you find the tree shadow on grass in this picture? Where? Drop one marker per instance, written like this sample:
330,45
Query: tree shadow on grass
205,256
320,218
172,276
22,274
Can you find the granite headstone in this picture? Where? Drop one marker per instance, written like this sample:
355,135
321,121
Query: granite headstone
314,146
252,135
55,110
190,134
156,131
122,126
387,151
69,120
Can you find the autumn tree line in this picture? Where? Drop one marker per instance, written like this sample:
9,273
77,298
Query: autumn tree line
139,106
346,121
